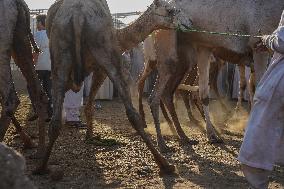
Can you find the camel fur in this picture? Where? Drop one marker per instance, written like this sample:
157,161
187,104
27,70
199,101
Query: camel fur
16,40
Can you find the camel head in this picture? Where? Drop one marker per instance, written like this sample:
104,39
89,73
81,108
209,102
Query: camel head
167,16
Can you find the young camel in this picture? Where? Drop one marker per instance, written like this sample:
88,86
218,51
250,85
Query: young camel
16,40
100,54
156,59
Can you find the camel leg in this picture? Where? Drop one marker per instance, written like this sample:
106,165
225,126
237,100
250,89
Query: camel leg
113,70
9,100
23,136
251,88
242,86
97,80
61,59
214,82
168,119
8,96
23,58
154,103
167,98
186,99
260,60
141,82
203,57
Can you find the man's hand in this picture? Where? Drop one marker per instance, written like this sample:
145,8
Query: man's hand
261,45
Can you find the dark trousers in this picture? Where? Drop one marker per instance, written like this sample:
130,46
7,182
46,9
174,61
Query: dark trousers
44,77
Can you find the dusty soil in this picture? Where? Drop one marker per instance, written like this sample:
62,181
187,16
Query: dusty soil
129,164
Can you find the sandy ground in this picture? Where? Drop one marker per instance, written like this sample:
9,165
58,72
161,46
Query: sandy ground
129,164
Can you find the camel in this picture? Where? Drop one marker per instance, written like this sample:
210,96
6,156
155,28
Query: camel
172,63
16,39
156,58
100,54
260,15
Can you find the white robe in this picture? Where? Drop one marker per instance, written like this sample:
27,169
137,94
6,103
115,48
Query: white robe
263,144
72,105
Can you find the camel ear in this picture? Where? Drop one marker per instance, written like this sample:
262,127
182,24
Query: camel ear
157,3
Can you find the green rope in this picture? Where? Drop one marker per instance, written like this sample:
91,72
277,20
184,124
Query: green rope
217,33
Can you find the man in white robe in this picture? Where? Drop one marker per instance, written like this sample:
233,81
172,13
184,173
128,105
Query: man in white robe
263,144
72,105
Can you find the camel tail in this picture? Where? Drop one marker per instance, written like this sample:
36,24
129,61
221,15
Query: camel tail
78,69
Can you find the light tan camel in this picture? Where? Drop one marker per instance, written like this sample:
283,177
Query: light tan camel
156,58
16,40
97,49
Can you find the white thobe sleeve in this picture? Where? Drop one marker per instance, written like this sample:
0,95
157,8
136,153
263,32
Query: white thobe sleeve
276,40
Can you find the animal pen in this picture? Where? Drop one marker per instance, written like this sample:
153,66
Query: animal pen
124,161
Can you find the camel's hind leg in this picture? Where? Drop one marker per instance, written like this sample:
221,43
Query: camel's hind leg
8,96
113,69
203,57
97,80
61,59
214,73
22,54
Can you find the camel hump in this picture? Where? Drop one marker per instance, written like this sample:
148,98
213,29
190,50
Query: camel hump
78,63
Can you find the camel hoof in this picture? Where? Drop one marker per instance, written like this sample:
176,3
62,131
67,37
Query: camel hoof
42,170
215,140
168,170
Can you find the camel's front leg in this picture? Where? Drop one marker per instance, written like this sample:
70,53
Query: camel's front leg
203,57
154,103
148,68
98,78
251,88
242,85
115,74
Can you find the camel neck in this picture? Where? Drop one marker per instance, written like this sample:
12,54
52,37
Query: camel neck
130,36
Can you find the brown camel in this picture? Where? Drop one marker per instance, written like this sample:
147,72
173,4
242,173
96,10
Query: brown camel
16,40
100,54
